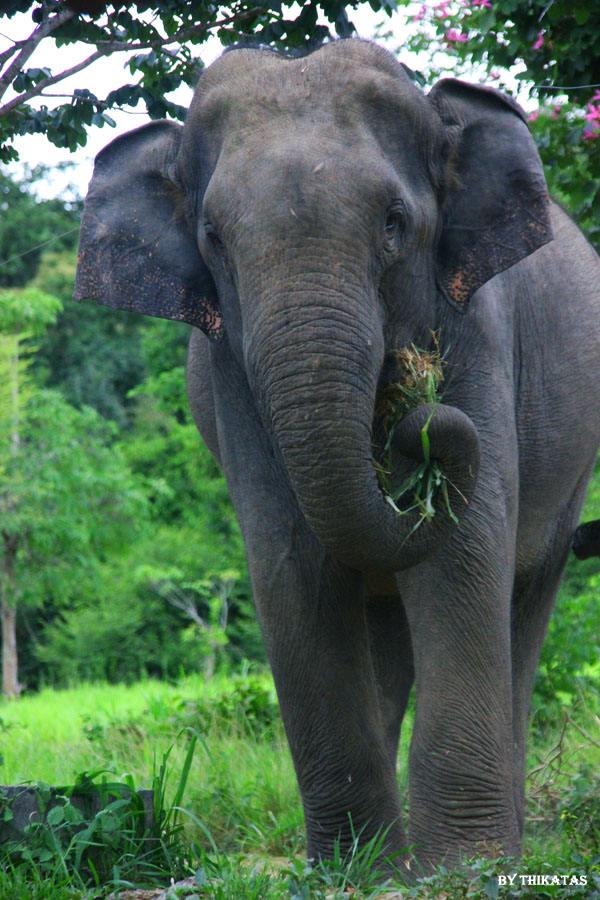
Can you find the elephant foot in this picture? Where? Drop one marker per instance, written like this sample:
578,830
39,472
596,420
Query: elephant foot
460,858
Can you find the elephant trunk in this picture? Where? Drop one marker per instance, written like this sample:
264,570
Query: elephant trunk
315,368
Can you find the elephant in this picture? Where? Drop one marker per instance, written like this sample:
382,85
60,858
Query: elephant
311,217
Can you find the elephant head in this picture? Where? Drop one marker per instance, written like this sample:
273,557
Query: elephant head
314,213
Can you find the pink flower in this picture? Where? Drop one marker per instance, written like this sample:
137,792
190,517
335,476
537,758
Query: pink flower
592,116
484,3
556,111
593,113
539,41
453,36
494,75
440,10
533,115
418,17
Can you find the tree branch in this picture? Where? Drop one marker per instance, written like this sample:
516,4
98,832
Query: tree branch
46,27
582,732
108,47
180,601
46,82
10,52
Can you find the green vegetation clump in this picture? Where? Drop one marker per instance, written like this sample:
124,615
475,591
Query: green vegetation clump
418,375
98,831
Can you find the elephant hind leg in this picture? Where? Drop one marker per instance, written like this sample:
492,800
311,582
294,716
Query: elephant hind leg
535,591
391,652
532,608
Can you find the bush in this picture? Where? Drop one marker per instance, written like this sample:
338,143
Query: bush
97,833
580,813
246,705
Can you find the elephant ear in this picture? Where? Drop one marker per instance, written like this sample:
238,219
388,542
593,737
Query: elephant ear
137,250
496,207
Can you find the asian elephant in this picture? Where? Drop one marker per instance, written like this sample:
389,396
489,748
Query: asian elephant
313,216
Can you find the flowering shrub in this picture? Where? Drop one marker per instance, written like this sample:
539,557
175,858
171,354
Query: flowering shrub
555,46
592,117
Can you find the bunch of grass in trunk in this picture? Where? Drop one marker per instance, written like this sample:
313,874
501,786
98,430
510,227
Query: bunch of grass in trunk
418,376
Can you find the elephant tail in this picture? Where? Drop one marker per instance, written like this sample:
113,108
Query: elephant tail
586,540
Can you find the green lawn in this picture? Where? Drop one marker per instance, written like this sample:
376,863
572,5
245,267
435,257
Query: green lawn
241,801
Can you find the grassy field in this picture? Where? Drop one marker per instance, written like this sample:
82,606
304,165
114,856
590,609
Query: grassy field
240,832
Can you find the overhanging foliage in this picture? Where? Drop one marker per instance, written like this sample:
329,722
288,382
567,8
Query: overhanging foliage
163,40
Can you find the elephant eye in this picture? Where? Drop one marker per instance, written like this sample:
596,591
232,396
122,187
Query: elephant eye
394,224
212,235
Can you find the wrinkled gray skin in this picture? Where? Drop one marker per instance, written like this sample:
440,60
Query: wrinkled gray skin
312,216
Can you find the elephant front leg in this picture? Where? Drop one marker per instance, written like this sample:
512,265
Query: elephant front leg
312,612
461,758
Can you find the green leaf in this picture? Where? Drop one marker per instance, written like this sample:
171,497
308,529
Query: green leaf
56,815
72,815
425,438
491,888
486,19
185,771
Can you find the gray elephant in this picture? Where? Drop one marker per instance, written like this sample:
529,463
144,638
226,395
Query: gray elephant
312,216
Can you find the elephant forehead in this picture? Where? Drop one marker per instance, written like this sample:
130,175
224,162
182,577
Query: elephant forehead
338,85
302,171
349,57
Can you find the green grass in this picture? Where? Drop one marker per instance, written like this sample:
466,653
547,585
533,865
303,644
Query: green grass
243,829
245,788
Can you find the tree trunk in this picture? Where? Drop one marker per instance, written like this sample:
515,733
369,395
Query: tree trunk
8,616
10,681
210,662
8,610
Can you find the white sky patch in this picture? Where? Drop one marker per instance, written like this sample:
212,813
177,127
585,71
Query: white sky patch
109,73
